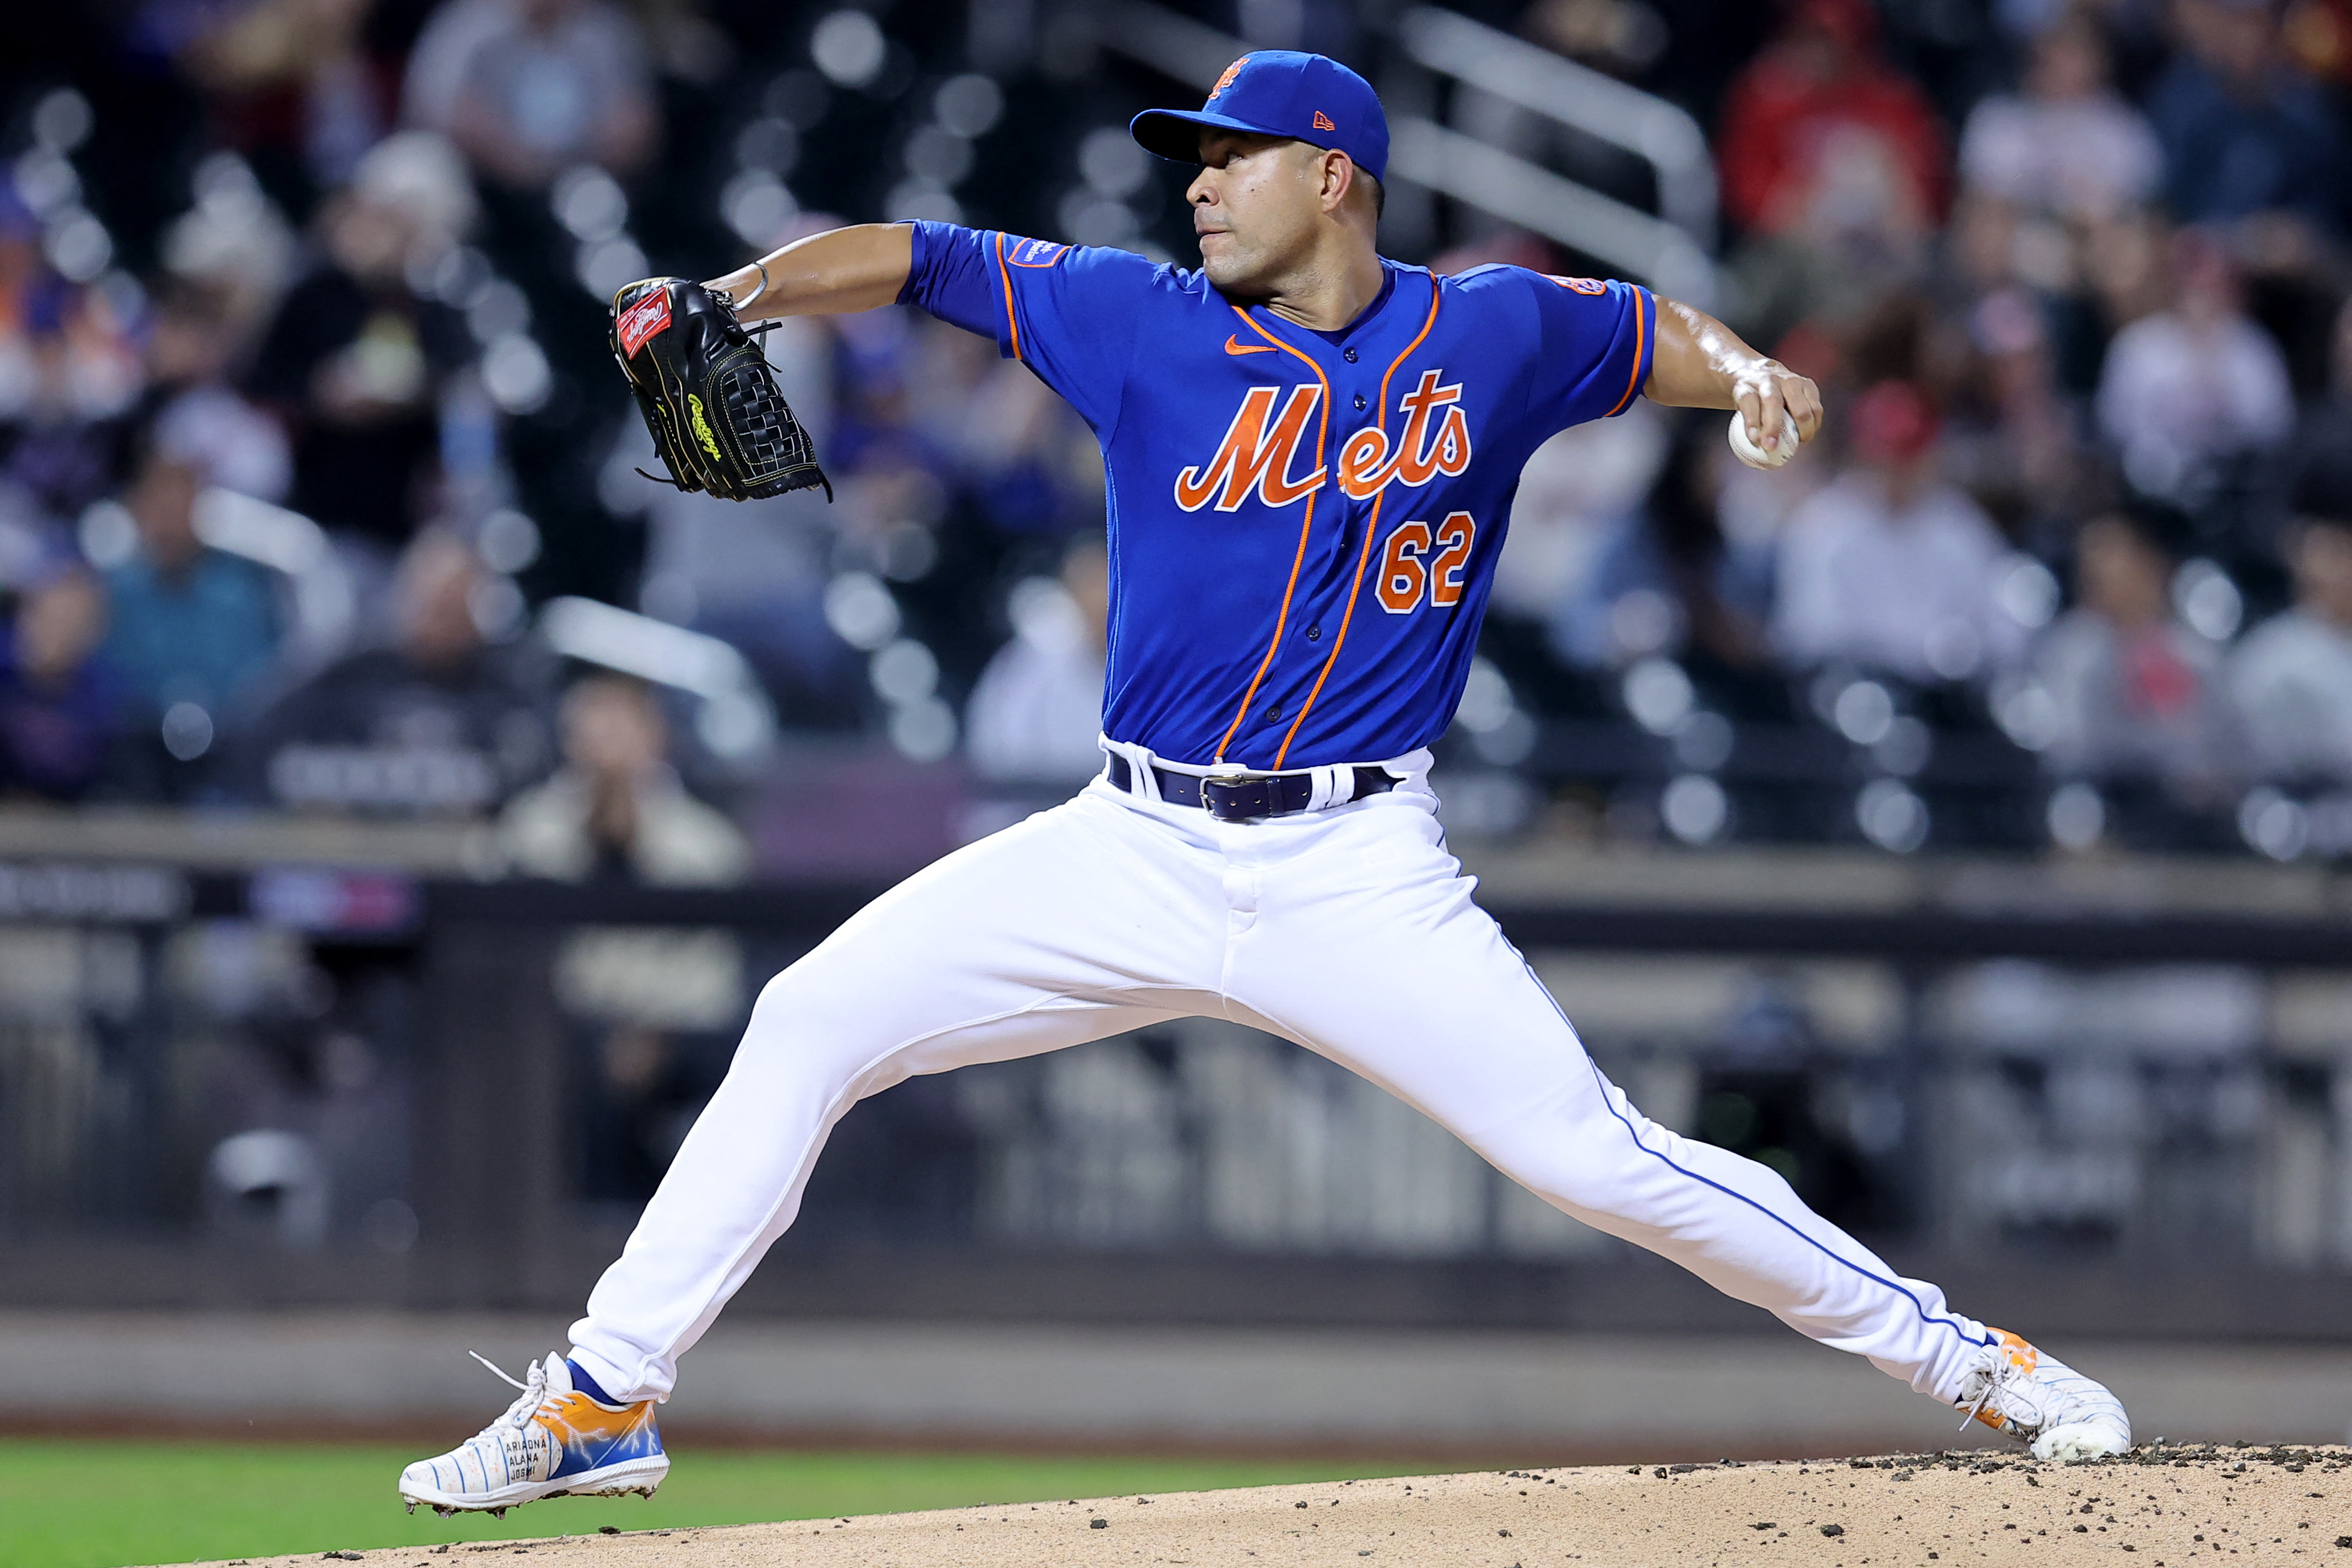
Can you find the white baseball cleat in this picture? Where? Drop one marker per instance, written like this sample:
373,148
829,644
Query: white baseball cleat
2044,1403
553,1441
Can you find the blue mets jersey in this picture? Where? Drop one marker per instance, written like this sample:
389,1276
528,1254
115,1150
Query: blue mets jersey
1303,525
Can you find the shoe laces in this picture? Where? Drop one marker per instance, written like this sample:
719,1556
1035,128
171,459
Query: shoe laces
534,1390
2001,1377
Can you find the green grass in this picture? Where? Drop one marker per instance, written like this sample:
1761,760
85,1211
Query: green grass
85,1504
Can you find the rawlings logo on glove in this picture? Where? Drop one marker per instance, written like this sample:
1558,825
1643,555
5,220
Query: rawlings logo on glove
708,395
703,428
641,320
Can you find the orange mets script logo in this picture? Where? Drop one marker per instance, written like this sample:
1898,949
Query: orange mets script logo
1253,456
1435,440
1226,80
1261,447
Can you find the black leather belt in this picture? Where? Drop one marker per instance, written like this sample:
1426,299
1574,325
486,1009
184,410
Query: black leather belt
1248,796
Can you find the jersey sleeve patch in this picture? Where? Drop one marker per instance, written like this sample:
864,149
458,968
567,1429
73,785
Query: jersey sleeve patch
1580,285
1035,252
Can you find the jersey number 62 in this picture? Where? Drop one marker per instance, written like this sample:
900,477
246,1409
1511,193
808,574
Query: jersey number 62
1418,565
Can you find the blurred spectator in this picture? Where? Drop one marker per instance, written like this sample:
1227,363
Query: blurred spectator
1575,489
292,78
2067,144
233,246
2015,444
2059,317
1835,167
1820,120
68,367
1889,567
1666,579
2324,434
893,467
2242,130
2291,676
190,623
62,356
2138,691
59,700
2195,382
22,272
2128,262
189,410
615,810
1615,35
1028,462
441,722
355,360
529,88
752,572
2317,35
1036,715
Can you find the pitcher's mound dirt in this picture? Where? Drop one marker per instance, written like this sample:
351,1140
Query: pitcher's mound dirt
2159,1507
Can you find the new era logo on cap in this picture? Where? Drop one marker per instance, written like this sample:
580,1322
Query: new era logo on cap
1279,92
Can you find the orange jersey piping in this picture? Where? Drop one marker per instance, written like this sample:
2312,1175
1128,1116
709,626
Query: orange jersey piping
1371,527
1641,323
1282,616
1012,323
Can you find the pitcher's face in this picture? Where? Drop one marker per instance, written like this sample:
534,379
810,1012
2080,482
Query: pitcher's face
1256,205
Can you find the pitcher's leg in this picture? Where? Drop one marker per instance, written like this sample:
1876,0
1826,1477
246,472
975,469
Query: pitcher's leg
1079,923
1395,974
1737,1224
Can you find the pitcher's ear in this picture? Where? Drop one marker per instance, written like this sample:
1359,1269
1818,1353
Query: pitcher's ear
1338,178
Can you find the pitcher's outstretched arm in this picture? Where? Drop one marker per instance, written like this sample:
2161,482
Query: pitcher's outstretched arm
838,273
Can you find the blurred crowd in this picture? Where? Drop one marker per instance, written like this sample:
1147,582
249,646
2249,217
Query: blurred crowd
2075,283
307,422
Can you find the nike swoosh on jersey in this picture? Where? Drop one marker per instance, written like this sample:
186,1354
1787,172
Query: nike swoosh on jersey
1234,345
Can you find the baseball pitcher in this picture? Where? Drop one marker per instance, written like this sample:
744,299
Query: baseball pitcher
1311,454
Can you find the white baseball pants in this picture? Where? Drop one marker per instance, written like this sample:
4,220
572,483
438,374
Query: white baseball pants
1350,932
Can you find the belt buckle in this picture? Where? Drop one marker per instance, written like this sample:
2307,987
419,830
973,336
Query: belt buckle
1237,796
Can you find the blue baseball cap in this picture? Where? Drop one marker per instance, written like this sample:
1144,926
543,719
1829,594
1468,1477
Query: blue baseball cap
1279,92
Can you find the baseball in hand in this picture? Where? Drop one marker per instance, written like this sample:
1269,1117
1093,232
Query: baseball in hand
1783,447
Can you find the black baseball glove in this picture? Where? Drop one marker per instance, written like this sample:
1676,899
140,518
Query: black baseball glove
708,394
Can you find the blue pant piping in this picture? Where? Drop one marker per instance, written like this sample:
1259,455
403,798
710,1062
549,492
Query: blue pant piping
1602,1085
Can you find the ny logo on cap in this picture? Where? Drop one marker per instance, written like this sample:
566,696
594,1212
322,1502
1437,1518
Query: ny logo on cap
1323,121
1226,80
